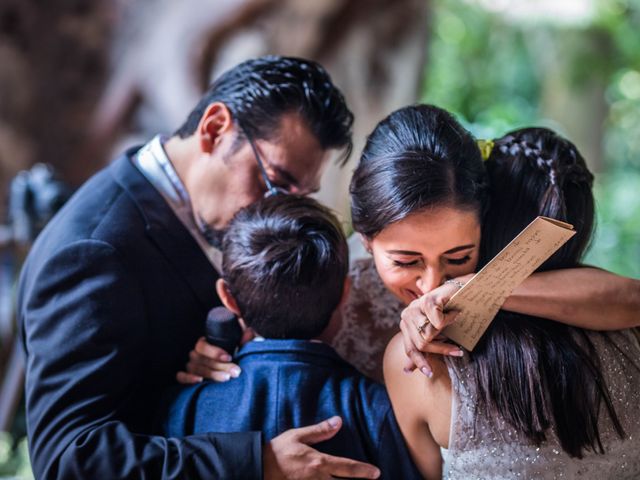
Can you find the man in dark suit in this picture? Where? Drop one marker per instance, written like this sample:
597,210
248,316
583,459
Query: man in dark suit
285,264
116,289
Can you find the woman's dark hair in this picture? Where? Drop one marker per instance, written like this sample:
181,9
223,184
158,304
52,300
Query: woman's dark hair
418,157
259,91
531,372
533,172
285,263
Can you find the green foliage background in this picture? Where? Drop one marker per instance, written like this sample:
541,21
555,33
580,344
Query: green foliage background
495,74
14,458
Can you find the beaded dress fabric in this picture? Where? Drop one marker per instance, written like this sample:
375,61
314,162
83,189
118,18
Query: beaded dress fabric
369,319
482,448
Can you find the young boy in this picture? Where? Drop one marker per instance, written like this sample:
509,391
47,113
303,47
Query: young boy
285,267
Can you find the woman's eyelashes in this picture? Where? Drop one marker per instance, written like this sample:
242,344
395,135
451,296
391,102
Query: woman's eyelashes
458,261
414,263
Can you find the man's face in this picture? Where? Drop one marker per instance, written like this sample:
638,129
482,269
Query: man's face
230,178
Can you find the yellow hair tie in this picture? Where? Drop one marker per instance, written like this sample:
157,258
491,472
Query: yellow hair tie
485,147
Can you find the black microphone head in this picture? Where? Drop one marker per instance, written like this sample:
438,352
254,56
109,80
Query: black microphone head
223,329
220,314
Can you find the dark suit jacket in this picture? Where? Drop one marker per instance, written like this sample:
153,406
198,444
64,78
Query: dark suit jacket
112,298
293,383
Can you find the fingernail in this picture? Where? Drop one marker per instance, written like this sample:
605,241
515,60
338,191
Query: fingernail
427,372
456,353
334,422
224,377
226,358
235,372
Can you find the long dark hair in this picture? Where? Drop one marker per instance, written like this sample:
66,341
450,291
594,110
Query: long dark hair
417,157
536,373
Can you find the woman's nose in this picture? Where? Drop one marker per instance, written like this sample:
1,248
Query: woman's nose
429,279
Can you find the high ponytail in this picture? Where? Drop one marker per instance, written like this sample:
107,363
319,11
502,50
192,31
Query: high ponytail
416,158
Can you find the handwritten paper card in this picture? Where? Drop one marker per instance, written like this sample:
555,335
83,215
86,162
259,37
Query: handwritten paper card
481,298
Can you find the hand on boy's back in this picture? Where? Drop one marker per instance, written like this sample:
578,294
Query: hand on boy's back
207,361
289,455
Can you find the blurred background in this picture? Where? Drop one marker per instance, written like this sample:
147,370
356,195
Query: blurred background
81,80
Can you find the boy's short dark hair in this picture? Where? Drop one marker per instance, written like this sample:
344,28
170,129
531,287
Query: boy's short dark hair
285,263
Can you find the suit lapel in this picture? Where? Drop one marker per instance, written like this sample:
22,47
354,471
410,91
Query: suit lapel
167,232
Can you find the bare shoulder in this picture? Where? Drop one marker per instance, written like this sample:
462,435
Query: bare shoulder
420,399
394,356
412,390
394,360
412,397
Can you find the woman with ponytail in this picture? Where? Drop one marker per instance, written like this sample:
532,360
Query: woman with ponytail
420,200
535,398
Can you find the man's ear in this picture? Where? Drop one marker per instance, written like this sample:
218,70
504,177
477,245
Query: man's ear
222,289
215,121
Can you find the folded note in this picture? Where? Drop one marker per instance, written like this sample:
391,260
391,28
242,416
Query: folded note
481,298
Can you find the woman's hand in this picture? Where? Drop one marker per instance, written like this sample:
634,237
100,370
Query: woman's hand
211,362
421,323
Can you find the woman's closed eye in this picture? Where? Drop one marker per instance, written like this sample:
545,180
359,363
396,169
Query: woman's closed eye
459,261
411,263
418,262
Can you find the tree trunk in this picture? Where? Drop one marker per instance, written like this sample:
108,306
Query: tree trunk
65,106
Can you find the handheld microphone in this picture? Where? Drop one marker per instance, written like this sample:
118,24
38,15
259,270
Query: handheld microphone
223,329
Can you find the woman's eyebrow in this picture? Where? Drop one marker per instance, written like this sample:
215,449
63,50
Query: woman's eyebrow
448,252
457,249
403,252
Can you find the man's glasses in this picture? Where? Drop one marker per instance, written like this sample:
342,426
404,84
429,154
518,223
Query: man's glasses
271,188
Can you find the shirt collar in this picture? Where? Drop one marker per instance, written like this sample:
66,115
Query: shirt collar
315,348
155,165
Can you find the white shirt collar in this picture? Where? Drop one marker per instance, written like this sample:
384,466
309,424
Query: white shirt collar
156,166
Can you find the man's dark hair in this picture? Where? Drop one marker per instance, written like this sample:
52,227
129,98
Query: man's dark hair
259,91
285,263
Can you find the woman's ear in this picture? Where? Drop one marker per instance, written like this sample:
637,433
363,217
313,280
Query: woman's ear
366,242
222,289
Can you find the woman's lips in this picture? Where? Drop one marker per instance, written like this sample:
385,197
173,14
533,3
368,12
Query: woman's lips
413,295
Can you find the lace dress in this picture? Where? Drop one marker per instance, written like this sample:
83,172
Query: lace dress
369,319
480,448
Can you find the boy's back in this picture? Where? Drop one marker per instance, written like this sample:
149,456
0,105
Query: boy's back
284,274
291,383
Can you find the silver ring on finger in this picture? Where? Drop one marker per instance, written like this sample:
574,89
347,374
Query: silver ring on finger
423,327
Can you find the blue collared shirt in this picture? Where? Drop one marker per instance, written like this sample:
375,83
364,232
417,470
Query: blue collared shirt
294,383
